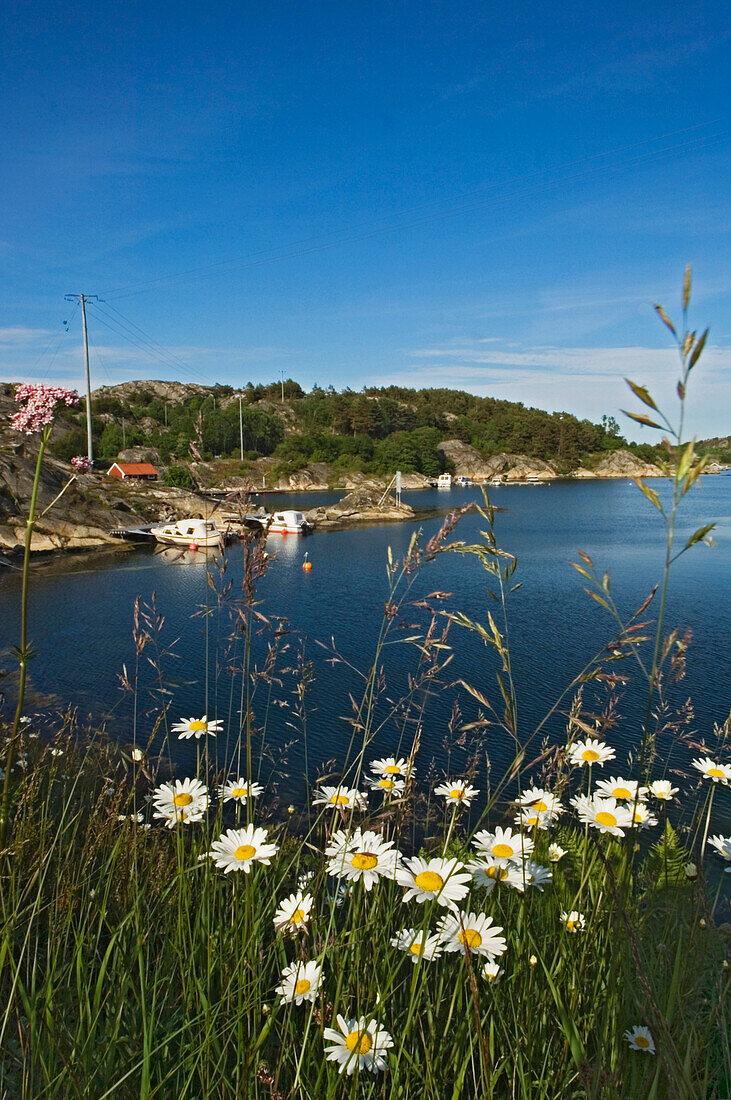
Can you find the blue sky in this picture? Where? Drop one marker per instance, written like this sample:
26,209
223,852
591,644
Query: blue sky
479,195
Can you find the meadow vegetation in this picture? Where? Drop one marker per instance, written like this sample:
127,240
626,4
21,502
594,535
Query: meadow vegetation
549,933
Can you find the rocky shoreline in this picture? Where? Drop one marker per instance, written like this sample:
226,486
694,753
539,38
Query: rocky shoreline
80,512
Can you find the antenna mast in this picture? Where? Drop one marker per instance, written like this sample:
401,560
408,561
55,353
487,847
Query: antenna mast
82,299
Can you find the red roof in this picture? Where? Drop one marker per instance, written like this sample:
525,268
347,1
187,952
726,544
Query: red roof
133,469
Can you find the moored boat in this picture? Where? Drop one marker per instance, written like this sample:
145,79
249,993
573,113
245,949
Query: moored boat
289,522
200,533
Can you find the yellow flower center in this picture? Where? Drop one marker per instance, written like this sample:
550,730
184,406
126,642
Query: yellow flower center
717,772
502,851
364,861
590,754
638,816
196,727
540,806
297,916
244,851
387,784
605,818
662,795
339,799
533,820
470,938
392,769
417,949
302,986
571,925
500,873
641,1041
456,792
359,1041
430,881
622,792
182,799
239,792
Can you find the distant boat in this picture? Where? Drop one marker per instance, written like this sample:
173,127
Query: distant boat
189,532
444,481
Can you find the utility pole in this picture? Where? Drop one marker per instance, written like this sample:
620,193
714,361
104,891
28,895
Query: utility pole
82,299
241,429
282,374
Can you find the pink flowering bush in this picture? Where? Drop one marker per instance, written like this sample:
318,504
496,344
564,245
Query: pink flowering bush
81,464
39,403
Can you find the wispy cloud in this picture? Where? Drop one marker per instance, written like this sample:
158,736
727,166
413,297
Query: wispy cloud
587,381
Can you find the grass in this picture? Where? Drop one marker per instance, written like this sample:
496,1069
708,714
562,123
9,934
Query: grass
132,966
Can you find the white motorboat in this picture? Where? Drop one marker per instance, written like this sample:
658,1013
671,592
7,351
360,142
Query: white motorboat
198,533
289,523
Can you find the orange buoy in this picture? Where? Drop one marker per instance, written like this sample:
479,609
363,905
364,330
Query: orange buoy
307,565
192,546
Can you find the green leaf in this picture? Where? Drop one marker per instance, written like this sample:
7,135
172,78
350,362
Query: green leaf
642,393
649,493
686,286
661,313
642,419
697,350
698,535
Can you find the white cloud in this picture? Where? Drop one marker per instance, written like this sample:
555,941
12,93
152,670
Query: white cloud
583,380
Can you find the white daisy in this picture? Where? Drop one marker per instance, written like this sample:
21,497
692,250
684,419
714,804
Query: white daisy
488,873
719,773
386,783
185,800
474,932
590,751
528,818
722,844
238,790
503,845
556,853
300,982
440,880
492,972
604,814
573,921
641,815
640,1038
419,944
530,874
365,856
293,913
340,798
389,765
624,790
663,790
538,802
239,849
197,727
358,1043
457,792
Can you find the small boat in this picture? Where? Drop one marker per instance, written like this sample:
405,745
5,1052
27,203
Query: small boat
289,523
199,533
444,481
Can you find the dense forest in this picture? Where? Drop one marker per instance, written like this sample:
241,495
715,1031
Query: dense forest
372,430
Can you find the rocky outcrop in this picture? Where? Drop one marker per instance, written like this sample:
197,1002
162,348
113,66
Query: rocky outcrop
583,473
623,463
468,462
360,506
140,454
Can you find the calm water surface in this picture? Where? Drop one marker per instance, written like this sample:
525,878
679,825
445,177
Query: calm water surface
81,619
